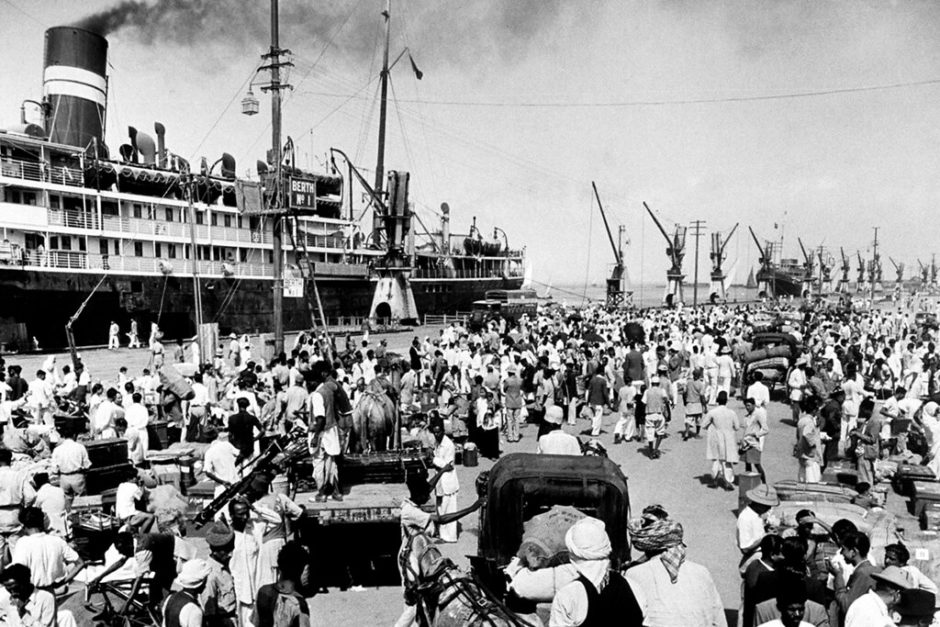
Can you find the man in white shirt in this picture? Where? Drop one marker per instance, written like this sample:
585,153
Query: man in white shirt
750,526
46,556
219,462
40,398
138,440
874,608
556,441
104,414
125,507
448,486
758,391
52,501
70,459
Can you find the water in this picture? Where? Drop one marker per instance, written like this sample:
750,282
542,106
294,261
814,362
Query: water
648,295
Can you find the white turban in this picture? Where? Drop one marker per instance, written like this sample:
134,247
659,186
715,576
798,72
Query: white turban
193,574
587,539
931,409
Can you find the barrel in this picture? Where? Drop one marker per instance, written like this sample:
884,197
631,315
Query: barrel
471,456
280,485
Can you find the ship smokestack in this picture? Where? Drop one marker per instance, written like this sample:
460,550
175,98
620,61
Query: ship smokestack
160,130
75,85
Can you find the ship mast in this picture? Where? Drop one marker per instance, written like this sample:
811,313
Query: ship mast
383,107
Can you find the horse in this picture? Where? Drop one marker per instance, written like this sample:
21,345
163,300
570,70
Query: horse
445,595
373,420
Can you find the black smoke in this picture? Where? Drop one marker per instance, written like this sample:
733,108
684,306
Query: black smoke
449,30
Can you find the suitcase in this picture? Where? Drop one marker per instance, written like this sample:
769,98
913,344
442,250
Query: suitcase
159,440
107,452
842,472
930,518
907,474
923,494
98,480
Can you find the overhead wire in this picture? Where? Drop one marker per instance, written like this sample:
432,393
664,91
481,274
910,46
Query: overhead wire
670,102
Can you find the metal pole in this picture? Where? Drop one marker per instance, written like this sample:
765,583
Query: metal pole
697,225
197,289
278,295
874,268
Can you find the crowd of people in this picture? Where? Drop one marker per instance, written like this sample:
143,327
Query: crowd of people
860,387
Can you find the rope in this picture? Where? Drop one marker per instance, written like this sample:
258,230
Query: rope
166,279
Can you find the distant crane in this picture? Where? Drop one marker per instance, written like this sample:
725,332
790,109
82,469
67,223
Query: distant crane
933,272
765,285
924,275
898,273
617,295
675,250
846,270
717,291
809,268
825,270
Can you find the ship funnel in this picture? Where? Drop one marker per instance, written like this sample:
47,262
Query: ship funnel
75,85
228,166
161,144
147,148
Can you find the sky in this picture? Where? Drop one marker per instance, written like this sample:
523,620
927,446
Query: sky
821,117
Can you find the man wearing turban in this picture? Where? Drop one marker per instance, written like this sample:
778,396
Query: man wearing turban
671,590
599,596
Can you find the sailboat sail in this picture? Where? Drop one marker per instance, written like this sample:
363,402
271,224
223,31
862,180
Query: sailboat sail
751,283
731,278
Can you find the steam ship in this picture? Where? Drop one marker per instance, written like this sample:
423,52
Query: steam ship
141,234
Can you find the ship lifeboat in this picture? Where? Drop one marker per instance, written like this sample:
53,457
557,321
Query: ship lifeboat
479,247
165,266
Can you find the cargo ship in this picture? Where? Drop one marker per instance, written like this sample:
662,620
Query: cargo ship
783,276
139,234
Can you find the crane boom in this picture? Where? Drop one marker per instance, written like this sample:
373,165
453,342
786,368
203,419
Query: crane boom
759,247
610,235
660,226
728,239
803,249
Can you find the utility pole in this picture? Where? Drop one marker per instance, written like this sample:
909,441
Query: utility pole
698,225
874,269
276,199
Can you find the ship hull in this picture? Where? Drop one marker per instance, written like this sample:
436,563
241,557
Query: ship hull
44,301
780,283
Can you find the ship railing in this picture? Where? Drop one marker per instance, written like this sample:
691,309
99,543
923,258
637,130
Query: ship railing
445,319
73,218
139,226
68,259
325,241
471,273
41,172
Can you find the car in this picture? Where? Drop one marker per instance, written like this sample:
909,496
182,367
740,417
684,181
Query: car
773,355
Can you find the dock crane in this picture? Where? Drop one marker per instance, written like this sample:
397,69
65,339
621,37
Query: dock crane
617,295
675,250
846,270
924,275
809,268
825,271
765,286
933,271
860,283
717,291
898,273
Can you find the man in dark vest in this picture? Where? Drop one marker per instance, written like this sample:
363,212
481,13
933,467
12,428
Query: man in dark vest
599,596
182,609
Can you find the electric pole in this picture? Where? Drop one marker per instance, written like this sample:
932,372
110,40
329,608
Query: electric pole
874,269
698,225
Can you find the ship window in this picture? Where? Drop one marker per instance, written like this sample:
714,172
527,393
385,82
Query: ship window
243,255
138,211
239,222
171,251
186,251
270,255
117,247
54,202
109,209
157,250
66,242
54,242
82,246
138,249
169,214
29,198
184,215
13,195
200,217
227,220
254,223
205,254
151,212
103,246
215,219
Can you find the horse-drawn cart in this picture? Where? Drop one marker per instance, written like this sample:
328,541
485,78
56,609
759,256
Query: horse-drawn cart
523,485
